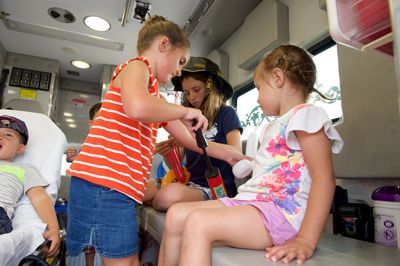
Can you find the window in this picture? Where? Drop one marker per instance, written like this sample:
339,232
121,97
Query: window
250,115
171,97
328,82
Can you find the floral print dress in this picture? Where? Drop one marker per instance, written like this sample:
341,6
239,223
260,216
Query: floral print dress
280,174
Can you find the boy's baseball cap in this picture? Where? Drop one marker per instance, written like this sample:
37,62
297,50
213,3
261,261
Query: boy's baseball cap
16,124
202,64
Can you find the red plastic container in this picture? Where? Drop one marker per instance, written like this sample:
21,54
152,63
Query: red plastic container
357,23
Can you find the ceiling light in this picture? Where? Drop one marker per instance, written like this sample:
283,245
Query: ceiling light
97,23
80,64
61,34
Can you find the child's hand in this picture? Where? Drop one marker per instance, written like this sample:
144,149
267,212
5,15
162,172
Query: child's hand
194,114
54,237
233,156
297,249
164,147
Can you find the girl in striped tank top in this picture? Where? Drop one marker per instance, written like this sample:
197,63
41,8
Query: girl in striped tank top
110,174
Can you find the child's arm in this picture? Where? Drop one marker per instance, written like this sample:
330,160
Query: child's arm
233,138
317,154
228,153
163,147
140,105
45,209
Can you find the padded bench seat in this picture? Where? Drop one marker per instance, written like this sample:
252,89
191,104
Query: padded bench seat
333,250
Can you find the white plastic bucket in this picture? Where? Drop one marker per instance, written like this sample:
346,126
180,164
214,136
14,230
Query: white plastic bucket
387,223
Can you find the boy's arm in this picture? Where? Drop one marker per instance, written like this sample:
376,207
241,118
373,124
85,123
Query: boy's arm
45,209
220,151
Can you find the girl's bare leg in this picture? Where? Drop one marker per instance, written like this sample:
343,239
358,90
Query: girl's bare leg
238,226
173,228
174,193
89,258
128,261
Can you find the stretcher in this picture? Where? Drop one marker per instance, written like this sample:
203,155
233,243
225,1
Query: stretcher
44,150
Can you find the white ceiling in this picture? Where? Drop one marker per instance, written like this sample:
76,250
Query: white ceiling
209,31
35,12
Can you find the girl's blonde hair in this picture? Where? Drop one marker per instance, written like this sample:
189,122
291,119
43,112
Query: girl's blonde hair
213,99
156,26
297,65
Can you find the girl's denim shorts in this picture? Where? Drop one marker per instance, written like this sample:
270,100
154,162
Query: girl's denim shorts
100,217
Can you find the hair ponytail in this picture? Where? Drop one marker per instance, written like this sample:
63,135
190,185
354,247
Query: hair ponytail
156,26
330,100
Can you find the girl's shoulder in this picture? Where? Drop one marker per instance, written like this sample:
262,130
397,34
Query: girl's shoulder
226,109
131,62
305,115
309,111
228,118
304,111
310,118
134,68
227,112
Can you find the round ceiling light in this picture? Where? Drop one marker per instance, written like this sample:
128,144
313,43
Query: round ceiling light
80,64
97,23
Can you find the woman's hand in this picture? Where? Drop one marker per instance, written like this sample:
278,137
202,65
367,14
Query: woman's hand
297,249
232,155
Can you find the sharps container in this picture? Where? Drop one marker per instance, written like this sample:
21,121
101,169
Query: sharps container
387,215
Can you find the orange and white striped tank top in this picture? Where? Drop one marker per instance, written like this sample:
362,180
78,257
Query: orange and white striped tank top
118,151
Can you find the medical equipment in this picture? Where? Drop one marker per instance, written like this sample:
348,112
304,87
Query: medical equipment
44,150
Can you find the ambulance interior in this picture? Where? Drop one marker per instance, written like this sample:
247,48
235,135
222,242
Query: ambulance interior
355,45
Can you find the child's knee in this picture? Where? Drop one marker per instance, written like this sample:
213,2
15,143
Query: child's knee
175,218
196,227
158,202
163,200
166,197
196,221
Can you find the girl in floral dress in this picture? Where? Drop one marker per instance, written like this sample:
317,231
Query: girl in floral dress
283,207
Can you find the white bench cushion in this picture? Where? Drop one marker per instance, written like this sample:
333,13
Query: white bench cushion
333,250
